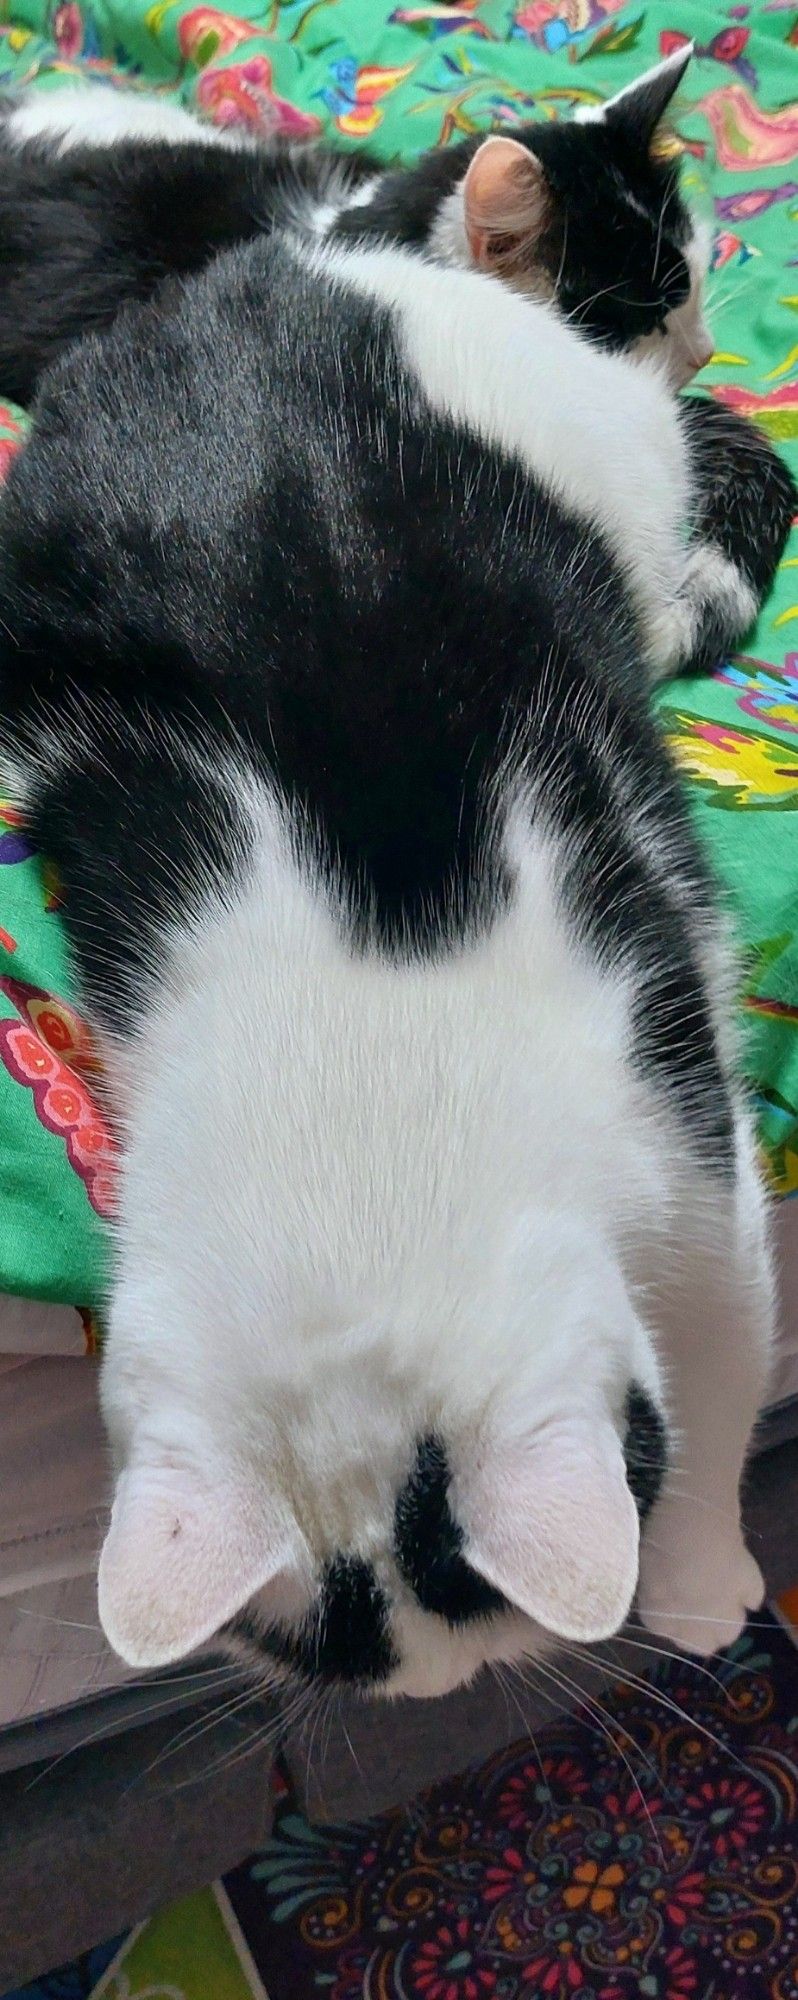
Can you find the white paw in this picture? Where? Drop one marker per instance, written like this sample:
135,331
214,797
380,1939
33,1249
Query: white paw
696,1588
671,635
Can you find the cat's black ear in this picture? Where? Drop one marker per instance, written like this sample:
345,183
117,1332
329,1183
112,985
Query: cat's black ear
505,206
638,109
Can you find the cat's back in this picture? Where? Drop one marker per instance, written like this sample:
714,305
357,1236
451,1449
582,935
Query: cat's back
304,426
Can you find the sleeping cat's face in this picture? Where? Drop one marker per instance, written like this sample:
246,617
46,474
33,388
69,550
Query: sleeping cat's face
382,1405
589,214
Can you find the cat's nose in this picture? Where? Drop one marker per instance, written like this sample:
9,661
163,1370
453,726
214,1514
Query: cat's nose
705,348
695,355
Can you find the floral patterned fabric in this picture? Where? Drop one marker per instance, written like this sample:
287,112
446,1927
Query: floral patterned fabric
652,1858
403,77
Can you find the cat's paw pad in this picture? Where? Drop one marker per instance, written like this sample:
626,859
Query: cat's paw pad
698,1597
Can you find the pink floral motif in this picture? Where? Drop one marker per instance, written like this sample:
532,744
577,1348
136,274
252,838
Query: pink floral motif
735,1809
684,1901
8,451
206,32
243,95
561,1776
12,437
445,1967
556,1972
746,136
44,1049
68,29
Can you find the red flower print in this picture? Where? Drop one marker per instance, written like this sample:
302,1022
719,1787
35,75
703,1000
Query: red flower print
556,1973
242,95
631,1812
445,1968
684,1899
558,1775
677,1979
33,1050
68,29
733,1810
8,451
205,32
681,1974
502,1878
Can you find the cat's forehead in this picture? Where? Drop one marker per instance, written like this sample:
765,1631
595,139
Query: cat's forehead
594,171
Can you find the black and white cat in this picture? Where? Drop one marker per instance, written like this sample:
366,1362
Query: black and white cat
332,585
104,195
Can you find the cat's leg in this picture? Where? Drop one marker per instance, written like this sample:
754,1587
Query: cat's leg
743,499
711,1298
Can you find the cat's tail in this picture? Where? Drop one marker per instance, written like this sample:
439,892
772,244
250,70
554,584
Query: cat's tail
106,193
744,500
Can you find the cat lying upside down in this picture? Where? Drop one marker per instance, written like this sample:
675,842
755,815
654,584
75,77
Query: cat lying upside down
333,582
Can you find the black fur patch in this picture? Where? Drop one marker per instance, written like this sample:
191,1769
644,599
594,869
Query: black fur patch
617,226
195,539
744,501
645,1449
84,233
87,232
346,1637
428,1544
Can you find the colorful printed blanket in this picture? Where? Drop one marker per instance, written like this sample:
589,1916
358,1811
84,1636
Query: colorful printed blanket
401,78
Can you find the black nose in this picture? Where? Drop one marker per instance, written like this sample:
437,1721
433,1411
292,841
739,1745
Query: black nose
428,1542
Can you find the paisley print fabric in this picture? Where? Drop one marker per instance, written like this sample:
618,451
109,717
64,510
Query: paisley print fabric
648,1853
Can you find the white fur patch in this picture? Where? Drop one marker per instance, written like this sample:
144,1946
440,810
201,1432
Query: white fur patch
342,1174
448,240
710,578
610,446
98,115
710,584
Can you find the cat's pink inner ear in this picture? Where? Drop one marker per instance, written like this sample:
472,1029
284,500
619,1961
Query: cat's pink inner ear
551,1522
505,201
180,1558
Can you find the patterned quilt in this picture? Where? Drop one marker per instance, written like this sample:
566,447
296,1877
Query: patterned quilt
401,78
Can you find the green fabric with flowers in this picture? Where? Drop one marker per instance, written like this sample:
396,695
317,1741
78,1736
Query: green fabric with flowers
401,78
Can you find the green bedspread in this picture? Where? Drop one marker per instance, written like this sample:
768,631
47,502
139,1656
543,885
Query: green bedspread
401,78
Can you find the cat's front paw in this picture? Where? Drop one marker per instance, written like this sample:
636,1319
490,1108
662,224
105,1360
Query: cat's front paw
696,1587
670,637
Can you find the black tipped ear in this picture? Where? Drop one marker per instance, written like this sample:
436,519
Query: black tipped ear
638,109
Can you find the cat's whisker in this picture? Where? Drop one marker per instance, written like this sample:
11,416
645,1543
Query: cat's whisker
610,1728
510,1695
658,244
52,1618
196,1728
648,1688
260,1739
160,1707
351,1748
699,1617
668,1653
